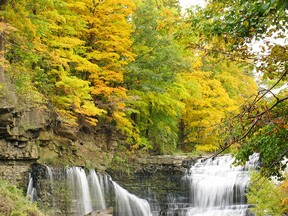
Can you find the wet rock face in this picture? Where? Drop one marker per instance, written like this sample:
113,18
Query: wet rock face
18,147
15,172
18,133
36,134
157,179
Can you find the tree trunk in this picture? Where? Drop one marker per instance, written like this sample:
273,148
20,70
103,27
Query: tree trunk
2,50
182,135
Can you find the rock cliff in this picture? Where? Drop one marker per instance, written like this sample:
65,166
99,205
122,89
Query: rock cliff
34,134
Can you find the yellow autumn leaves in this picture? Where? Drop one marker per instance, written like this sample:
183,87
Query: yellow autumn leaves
128,64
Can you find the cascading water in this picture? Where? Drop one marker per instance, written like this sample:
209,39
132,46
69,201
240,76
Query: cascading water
128,204
97,193
51,179
81,200
75,192
88,195
104,183
31,191
217,187
209,188
50,176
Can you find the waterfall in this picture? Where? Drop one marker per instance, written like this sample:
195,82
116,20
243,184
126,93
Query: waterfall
50,176
75,192
81,200
104,183
217,187
211,187
51,179
96,191
128,204
88,195
31,191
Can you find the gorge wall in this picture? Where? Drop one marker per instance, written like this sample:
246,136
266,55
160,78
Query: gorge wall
157,179
31,135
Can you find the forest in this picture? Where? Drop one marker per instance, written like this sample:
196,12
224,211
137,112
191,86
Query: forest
170,81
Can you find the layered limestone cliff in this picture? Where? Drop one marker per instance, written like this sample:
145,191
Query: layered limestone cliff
19,131
34,135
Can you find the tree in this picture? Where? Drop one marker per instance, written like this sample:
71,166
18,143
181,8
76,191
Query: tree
19,53
216,83
151,78
237,23
55,46
214,95
107,45
267,197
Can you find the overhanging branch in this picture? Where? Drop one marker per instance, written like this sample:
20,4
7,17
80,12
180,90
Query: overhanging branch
255,117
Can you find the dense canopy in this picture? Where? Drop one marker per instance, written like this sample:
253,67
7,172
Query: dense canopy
166,80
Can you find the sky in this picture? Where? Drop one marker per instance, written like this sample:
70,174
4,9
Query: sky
188,3
256,47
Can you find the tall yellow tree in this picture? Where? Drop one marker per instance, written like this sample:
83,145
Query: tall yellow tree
59,28
108,45
205,108
217,86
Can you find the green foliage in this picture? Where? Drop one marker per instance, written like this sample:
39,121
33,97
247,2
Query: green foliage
158,55
163,80
266,197
269,139
242,19
224,29
151,78
12,202
155,116
120,162
74,97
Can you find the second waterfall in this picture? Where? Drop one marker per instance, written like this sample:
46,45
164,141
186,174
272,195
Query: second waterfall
217,188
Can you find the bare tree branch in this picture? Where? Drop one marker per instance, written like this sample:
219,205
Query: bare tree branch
256,117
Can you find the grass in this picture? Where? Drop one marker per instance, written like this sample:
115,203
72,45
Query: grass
14,203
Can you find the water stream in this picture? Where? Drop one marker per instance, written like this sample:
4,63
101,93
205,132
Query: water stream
128,204
212,188
218,188
31,192
96,191
78,182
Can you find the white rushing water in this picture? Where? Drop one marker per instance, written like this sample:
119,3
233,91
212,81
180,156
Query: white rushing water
217,187
128,204
50,175
104,183
78,182
31,191
87,191
51,179
96,191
